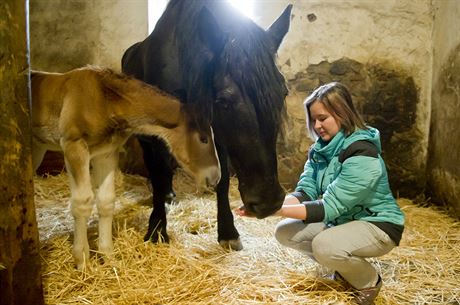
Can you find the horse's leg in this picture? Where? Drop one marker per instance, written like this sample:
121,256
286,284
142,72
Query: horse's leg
158,162
77,158
104,168
227,235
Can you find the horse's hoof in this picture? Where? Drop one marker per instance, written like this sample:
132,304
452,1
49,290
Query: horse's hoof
171,198
233,244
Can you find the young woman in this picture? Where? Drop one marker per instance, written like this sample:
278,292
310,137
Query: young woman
342,210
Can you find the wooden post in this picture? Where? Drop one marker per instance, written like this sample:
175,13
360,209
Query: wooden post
20,280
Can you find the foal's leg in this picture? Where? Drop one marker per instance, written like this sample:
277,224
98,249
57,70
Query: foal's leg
38,153
77,158
104,168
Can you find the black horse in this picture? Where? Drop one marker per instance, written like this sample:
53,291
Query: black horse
206,52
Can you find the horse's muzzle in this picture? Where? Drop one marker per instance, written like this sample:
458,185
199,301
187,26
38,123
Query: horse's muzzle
262,211
263,208
261,196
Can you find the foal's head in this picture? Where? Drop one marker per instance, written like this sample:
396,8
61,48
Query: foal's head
196,153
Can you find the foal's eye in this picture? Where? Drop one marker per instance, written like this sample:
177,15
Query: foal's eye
204,139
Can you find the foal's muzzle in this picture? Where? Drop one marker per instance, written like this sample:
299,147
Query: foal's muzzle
212,176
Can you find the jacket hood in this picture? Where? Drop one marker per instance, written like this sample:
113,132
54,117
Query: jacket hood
371,135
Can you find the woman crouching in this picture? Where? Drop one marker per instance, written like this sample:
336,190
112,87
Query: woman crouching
342,211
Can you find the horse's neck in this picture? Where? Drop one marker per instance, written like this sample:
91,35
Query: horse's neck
149,111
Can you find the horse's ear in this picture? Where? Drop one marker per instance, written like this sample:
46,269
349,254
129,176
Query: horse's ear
280,27
209,31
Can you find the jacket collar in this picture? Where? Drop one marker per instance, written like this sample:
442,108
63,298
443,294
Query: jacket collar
327,150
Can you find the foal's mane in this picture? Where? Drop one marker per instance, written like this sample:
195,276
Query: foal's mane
119,85
247,54
122,84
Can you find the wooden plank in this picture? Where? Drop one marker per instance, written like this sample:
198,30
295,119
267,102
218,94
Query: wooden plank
20,281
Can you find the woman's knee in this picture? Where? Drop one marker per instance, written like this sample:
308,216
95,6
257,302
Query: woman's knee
285,230
326,251
282,233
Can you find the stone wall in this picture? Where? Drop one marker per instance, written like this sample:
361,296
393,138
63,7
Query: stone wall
444,146
388,100
382,51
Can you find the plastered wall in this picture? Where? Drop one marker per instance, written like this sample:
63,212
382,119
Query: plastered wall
444,146
66,34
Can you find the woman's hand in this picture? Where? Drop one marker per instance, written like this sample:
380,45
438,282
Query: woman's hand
296,211
289,200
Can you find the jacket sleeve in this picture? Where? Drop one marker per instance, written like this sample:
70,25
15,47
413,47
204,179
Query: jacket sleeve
307,182
357,179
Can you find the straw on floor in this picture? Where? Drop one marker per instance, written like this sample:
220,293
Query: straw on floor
194,269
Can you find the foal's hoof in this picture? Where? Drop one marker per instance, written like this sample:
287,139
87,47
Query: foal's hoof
232,244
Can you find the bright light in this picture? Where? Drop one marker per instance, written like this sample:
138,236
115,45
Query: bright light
155,10
244,6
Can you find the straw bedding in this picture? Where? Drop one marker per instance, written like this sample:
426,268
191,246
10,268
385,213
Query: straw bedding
194,269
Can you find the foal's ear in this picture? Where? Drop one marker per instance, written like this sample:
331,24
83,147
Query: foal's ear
210,32
280,27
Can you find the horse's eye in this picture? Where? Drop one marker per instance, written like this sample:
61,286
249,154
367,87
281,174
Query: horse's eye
222,103
204,139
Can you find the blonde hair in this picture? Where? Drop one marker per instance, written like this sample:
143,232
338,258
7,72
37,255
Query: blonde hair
337,100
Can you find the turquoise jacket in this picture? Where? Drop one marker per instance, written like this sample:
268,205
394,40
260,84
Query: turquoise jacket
352,181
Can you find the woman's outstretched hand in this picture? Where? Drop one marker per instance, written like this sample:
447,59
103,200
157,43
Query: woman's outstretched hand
296,211
241,211
289,200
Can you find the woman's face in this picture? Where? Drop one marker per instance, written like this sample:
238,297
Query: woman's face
325,125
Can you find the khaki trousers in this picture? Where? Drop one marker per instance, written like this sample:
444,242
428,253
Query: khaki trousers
343,248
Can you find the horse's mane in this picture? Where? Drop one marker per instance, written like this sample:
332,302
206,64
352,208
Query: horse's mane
247,62
246,52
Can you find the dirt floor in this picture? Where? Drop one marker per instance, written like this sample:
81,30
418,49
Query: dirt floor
194,269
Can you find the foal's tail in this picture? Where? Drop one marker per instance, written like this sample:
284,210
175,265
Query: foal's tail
35,73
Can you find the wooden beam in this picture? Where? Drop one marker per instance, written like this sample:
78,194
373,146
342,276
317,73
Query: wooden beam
20,280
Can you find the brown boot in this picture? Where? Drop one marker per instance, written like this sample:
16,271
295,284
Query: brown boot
367,296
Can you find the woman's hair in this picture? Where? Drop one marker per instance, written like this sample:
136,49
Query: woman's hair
337,100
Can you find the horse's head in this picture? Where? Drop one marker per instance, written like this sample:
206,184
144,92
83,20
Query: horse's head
198,156
226,63
249,93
